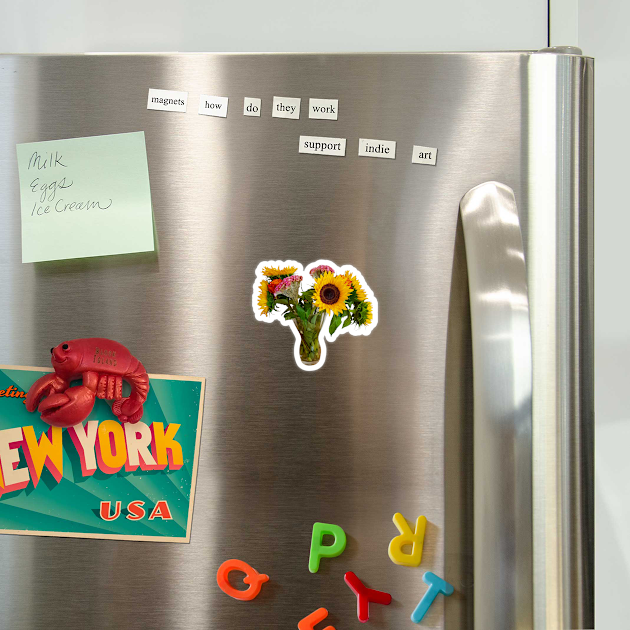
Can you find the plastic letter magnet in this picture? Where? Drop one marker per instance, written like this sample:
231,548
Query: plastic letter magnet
319,551
407,537
252,577
308,623
436,586
365,596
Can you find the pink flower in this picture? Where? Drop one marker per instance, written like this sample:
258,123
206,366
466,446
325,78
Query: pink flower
320,270
288,286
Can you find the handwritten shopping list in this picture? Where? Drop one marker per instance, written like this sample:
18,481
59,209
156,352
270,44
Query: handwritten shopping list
85,197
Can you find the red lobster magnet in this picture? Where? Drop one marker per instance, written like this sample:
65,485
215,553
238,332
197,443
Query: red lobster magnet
102,364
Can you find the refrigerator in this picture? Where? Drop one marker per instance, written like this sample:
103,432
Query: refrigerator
470,402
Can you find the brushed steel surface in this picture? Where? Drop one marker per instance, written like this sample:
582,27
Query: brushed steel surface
502,372
385,426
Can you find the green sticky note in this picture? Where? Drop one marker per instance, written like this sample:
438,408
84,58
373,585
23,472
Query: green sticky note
85,197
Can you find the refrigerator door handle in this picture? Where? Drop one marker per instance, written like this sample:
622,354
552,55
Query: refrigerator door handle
502,374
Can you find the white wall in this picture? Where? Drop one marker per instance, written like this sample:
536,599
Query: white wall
260,25
603,28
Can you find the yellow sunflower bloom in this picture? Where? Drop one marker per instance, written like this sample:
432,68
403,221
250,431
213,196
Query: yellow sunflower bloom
356,285
331,293
270,272
368,319
262,298
363,313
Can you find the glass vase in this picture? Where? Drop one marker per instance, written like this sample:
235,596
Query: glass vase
310,349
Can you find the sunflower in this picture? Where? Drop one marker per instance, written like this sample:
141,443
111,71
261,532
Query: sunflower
368,319
330,293
356,285
263,298
278,272
363,314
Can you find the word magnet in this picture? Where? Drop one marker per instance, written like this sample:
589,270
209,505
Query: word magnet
377,148
317,145
319,550
213,105
407,537
323,108
424,155
167,100
285,107
251,106
252,577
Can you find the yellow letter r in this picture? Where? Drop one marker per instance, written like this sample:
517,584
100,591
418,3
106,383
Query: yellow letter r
407,537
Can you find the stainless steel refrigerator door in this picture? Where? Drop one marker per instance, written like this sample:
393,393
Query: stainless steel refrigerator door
386,425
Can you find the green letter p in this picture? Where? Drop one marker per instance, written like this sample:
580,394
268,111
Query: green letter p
319,551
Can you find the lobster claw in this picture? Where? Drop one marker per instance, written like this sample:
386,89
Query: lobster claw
43,386
68,408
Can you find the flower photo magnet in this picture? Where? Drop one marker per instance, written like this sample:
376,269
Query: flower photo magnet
318,304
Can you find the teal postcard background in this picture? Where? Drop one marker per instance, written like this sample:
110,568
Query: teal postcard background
72,505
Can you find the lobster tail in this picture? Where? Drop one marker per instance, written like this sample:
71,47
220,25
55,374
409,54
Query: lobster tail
139,381
130,409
